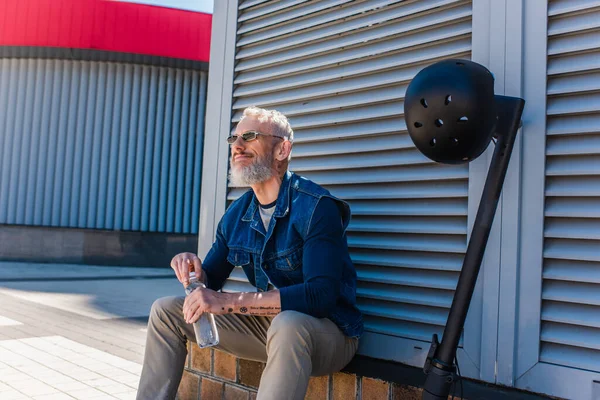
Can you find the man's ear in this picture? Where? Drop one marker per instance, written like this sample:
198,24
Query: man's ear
284,150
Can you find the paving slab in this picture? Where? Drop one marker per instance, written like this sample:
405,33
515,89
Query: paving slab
75,331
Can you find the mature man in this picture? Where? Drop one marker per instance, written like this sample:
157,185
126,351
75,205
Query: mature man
288,234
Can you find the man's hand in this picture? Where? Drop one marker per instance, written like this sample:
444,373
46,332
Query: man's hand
183,263
205,300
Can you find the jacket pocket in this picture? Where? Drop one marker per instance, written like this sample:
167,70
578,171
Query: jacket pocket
289,261
238,258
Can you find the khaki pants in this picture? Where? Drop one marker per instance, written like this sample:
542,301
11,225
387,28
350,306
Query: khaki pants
295,347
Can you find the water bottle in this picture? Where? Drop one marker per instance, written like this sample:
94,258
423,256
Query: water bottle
205,328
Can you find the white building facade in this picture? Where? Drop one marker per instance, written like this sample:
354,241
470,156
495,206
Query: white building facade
339,70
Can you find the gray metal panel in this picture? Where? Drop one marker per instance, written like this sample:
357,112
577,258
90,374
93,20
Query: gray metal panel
340,75
100,145
571,279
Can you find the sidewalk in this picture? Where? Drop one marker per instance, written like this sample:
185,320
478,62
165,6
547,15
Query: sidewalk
75,331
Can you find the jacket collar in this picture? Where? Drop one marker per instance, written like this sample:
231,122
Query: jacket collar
282,207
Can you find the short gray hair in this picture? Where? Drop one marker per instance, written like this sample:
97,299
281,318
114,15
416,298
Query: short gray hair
281,125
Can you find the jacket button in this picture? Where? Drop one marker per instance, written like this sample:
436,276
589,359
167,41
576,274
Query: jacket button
265,266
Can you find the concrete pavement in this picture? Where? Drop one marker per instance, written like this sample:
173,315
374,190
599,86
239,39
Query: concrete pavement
75,331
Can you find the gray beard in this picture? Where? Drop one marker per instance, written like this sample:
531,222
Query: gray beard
259,171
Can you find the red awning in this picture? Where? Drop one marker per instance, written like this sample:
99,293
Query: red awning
106,25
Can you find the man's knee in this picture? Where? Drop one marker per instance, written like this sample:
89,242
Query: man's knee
290,326
164,306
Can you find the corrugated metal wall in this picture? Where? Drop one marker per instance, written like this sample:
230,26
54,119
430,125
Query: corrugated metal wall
339,69
570,332
100,145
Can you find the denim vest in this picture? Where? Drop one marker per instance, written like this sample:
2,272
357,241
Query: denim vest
275,255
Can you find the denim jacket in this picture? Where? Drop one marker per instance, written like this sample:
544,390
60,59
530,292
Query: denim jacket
314,274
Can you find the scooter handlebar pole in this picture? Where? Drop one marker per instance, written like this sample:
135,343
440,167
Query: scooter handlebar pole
439,366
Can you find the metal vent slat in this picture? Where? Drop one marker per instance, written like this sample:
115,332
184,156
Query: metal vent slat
570,356
400,143
409,277
573,145
572,228
390,224
573,84
574,22
408,207
572,314
407,259
559,7
266,9
369,159
571,292
570,270
422,332
573,186
408,312
574,249
584,336
574,125
572,207
394,190
292,13
582,62
246,4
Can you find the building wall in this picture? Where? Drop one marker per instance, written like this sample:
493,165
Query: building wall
100,145
532,323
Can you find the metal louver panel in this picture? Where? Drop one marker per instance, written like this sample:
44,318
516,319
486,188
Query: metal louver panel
339,70
571,272
100,145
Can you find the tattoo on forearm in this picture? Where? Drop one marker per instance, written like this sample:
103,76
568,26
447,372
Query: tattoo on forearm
265,311
260,304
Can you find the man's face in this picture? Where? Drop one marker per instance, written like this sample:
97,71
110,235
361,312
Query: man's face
252,162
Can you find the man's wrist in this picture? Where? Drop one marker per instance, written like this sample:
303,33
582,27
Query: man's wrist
231,301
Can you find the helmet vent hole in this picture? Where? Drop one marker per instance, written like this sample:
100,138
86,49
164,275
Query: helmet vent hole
460,64
432,142
439,123
418,124
463,119
448,99
454,141
424,103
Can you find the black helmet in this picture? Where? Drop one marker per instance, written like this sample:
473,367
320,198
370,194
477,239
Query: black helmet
450,110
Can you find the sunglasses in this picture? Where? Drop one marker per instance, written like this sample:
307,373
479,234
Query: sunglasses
249,136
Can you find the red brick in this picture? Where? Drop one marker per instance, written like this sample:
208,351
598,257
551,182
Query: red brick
233,393
225,365
188,358
318,388
188,387
250,372
405,392
211,389
375,389
344,386
200,359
